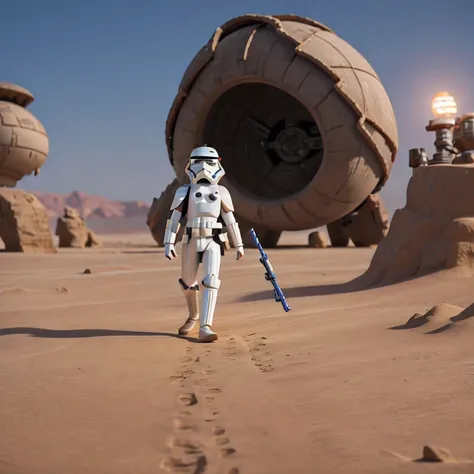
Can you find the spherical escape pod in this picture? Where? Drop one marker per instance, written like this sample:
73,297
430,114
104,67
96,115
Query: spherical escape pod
304,126
24,144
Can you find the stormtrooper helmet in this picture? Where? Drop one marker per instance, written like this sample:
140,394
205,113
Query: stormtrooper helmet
204,166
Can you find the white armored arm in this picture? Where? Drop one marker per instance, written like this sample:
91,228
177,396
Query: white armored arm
172,227
172,224
228,217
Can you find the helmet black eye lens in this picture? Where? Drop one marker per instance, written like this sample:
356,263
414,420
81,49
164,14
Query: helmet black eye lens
208,161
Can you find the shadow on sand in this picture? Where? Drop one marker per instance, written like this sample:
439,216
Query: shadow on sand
303,291
141,251
357,285
78,333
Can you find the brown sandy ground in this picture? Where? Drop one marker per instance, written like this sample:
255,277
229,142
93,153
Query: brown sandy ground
94,380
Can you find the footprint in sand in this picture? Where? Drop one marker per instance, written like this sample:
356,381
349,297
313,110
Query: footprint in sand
183,375
211,417
172,464
198,465
188,399
222,440
256,345
177,377
181,425
187,446
218,430
227,451
215,390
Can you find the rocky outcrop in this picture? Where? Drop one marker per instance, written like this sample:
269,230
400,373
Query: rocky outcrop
24,223
318,240
433,232
73,232
370,225
337,234
366,227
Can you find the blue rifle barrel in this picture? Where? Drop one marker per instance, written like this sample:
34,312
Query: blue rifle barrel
270,274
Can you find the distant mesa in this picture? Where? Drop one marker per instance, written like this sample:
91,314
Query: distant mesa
91,206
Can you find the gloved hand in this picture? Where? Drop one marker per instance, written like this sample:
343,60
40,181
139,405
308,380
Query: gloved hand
170,251
240,252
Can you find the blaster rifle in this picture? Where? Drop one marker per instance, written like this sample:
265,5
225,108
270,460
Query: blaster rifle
270,274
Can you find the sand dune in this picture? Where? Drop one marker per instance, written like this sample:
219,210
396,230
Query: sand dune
95,380
441,318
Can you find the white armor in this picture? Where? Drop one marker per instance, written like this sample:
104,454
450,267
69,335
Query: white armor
210,222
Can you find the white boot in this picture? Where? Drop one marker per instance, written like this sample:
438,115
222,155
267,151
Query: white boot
209,288
191,294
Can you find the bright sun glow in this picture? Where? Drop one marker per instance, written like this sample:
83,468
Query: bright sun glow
443,105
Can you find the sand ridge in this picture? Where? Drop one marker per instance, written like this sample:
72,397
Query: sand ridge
441,318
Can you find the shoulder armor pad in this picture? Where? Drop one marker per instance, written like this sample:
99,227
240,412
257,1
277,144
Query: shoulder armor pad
226,199
179,196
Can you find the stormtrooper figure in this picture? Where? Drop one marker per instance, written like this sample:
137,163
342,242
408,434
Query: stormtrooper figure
208,210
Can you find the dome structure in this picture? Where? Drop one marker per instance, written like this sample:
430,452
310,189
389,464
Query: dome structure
24,144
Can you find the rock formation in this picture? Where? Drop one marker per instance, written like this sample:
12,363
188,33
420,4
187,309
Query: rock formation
370,224
366,227
317,240
434,231
24,223
337,234
72,231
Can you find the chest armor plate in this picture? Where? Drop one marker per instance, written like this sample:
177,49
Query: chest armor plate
204,201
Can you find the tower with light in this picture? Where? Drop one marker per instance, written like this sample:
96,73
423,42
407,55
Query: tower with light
454,136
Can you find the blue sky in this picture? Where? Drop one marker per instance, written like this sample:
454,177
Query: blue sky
104,74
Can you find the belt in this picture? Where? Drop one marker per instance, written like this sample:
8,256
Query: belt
202,231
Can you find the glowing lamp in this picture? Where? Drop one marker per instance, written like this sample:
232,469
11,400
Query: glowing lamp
443,105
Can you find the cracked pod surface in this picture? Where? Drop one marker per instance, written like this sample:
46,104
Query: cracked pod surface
304,127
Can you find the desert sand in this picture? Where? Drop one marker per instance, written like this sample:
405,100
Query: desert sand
95,380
